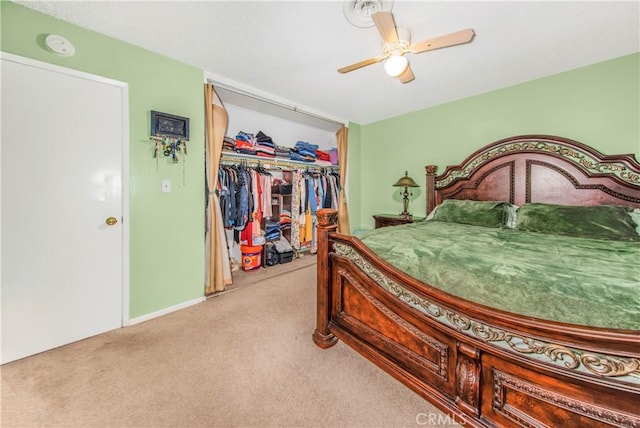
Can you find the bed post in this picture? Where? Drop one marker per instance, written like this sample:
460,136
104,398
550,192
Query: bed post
327,222
431,187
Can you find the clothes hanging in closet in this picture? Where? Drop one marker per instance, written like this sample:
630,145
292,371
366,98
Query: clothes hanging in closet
245,198
311,191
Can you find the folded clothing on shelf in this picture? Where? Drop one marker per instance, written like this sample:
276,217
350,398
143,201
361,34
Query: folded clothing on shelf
333,156
323,155
303,145
245,136
264,155
272,230
263,146
285,219
229,144
265,140
282,152
245,147
295,156
265,151
305,149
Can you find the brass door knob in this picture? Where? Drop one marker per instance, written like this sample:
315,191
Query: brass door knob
111,221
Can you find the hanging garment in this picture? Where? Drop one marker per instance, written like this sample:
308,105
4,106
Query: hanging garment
266,181
308,228
295,210
256,194
328,195
224,195
242,200
302,207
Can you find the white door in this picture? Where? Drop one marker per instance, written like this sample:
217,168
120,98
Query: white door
63,134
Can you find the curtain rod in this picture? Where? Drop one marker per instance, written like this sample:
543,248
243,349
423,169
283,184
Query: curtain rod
272,102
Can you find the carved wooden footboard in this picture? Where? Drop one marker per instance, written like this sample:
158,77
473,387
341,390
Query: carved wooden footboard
483,367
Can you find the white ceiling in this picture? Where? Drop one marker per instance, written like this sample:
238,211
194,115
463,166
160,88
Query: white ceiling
289,51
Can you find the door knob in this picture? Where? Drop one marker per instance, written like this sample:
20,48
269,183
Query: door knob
111,221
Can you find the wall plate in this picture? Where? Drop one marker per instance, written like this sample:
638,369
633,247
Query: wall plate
59,45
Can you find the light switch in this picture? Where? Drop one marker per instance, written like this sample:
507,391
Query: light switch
166,186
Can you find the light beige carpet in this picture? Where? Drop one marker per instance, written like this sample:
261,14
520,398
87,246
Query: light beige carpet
242,359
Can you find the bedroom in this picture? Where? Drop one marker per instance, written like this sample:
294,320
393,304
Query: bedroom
596,104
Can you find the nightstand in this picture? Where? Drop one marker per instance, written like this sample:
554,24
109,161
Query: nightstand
384,220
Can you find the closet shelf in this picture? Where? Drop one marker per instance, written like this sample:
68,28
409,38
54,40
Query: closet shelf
273,162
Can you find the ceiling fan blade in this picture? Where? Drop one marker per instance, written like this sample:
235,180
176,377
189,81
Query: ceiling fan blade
457,38
407,75
386,26
360,64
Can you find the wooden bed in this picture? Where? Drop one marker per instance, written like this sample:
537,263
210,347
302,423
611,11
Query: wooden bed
483,366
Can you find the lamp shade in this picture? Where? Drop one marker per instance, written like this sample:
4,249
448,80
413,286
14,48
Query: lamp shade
395,65
406,181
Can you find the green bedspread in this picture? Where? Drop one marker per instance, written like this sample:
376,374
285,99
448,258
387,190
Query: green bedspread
573,280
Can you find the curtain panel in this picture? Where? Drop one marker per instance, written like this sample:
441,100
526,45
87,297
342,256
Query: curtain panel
343,213
217,266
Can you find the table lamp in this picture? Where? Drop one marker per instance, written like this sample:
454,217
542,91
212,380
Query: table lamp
406,182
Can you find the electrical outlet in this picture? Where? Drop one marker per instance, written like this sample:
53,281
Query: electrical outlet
166,186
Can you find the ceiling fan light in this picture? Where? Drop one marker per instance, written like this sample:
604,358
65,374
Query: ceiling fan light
395,65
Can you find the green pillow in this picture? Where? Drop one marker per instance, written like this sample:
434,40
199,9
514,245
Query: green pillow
597,222
477,213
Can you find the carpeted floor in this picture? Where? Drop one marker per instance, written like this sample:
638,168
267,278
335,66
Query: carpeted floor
244,358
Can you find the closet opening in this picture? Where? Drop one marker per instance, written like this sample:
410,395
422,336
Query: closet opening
277,166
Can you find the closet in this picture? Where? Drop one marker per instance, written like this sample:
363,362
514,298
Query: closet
285,217
268,204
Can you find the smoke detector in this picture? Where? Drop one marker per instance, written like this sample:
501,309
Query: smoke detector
59,45
358,12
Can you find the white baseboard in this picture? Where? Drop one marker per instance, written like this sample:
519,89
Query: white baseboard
165,311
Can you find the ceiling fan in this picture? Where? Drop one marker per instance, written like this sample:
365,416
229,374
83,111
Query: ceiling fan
397,43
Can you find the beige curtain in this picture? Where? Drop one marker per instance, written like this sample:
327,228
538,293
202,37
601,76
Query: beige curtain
343,213
217,269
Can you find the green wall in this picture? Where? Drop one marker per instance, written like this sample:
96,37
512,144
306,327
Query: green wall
166,229
598,105
354,180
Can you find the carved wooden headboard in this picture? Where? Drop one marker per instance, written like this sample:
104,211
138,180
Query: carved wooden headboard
538,168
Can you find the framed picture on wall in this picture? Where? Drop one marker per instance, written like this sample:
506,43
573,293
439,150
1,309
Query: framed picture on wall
169,125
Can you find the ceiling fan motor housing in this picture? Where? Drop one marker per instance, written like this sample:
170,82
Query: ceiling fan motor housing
401,47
